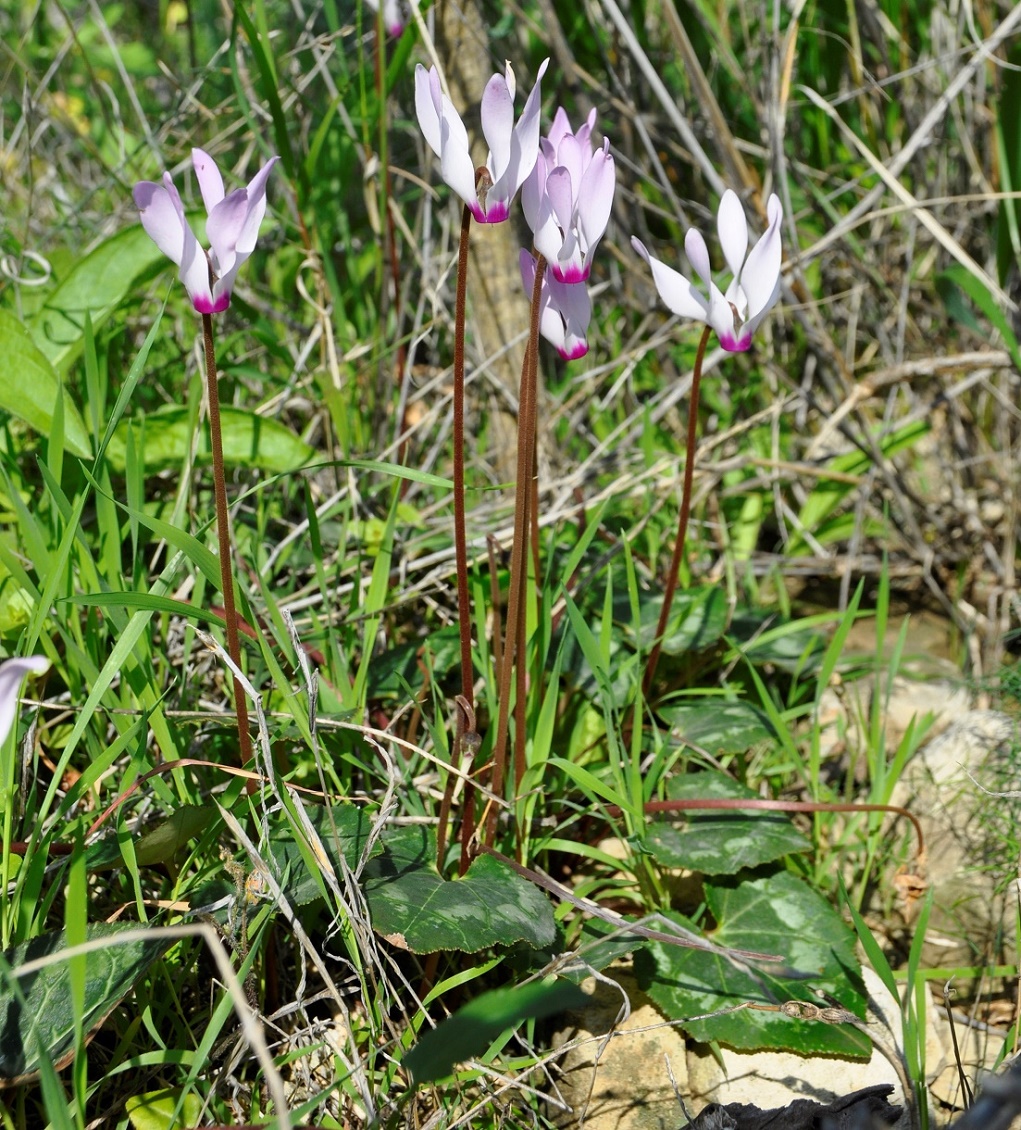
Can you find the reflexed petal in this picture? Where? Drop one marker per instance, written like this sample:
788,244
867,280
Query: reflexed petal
533,191
760,278
256,209
560,128
573,303
161,220
525,140
429,105
733,229
560,192
546,234
698,255
595,197
12,674
498,125
208,176
678,295
456,166
224,226
573,157
193,263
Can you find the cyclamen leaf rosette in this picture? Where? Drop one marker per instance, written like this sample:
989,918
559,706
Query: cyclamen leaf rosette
754,288
568,196
232,228
513,148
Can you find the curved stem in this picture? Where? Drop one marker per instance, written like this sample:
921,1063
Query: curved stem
682,524
223,538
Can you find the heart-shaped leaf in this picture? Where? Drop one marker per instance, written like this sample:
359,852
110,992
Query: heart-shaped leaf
414,907
719,726
719,842
44,1024
773,914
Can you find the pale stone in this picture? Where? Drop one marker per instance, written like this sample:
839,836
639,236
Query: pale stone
771,1079
616,1068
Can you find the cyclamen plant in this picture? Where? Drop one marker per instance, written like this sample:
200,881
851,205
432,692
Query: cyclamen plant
734,315
232,228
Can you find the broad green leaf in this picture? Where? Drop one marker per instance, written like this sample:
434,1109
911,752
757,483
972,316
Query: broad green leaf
43,1026
698,618
96,286
469,1032
719,725
342,829
719,842
773,914
415,908
155,1110
160,843
249,440
29,385
391,673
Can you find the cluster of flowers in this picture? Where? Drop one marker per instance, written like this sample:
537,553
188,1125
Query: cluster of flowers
567,186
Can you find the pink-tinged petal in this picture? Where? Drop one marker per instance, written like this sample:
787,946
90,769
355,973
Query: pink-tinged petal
574,157
760,278
208,176
498,125
161,220
560,192
532,193
429,105
584,134
595,198
256,209
524,141
678,295
223,229
547,234
560,128
573,303
392,19
12,674
698,255
456,166
733,229
194,266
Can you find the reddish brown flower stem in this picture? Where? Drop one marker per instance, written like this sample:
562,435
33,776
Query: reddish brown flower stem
465,706
682,524
516,603
223,537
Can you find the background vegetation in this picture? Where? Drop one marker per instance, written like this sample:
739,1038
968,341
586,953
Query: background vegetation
859,462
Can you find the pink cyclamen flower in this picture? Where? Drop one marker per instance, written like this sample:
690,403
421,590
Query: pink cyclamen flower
12,675
754,288
565,309
232,227
568,197
513,148
395,14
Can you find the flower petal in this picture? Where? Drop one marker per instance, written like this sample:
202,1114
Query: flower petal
678,295
224,227
429,106
498,125
456,166
12,674
760,278
208,175
524,146
595,198
194,266
733,228
161,220
256,209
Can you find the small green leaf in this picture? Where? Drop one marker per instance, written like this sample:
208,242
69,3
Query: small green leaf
29,387
249,440
95,286
42,1024
470,1031
155,1110
719,842
391,673
773,914
415,908
160,843
698,618
719,725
